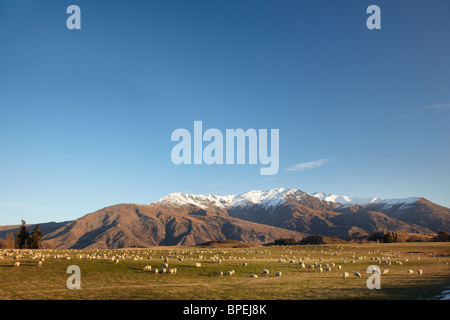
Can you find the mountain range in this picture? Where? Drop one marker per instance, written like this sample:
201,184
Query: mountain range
255,217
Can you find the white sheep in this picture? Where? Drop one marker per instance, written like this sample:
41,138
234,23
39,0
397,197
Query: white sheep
384,271
278,274
265,271
16,264
230,273
148,268
320,269
420,272
410,271
165,265
155,271
198,265
357,274
220,274
253,276
244,264
39,264
345,275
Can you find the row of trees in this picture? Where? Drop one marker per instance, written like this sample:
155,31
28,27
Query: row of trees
23,239
379,237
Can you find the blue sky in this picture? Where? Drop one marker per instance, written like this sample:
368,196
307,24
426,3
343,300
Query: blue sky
86,115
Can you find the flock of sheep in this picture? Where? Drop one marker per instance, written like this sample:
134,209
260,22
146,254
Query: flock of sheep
335,258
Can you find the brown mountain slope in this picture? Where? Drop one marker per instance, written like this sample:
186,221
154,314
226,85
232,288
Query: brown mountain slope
127,225
316,216
424,215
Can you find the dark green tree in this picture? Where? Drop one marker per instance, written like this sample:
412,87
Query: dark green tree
442,236
22,236
388,238
35,238
285,242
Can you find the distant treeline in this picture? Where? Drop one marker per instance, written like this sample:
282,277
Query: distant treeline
379,237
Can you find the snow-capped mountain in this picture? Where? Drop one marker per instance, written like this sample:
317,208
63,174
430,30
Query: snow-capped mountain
255,216
319,213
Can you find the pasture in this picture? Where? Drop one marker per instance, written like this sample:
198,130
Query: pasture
197,272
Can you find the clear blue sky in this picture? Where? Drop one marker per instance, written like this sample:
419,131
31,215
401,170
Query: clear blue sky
86,115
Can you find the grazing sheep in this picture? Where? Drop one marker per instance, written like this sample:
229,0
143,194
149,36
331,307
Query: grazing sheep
420,272
39,264
410,271
198,265
16,264
155,271
253,276
339,267
163,270
345,275
357,274
165,265
278,274
147,268
320,269
244,264
220,274
265,271
230,273
384,271
116,260
328,269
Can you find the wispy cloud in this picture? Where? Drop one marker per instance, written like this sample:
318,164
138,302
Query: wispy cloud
21,205
308,165
216,184
441,106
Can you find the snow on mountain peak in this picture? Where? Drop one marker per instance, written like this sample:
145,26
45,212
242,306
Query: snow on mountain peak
267,198
271,198
345,200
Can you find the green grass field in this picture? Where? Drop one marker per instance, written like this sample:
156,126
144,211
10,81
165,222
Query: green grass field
101,279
